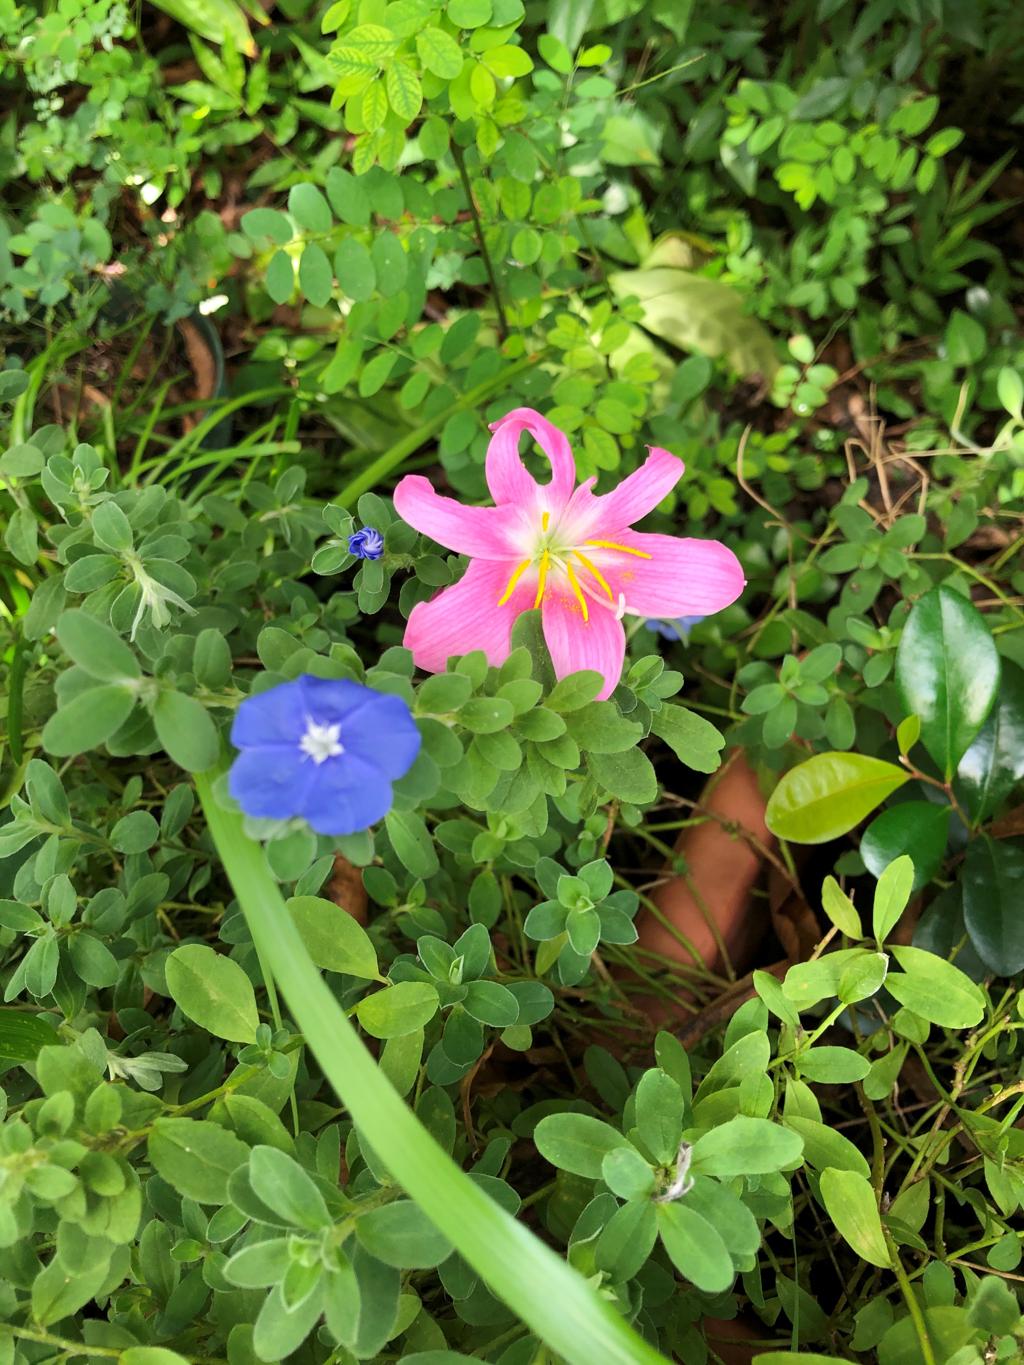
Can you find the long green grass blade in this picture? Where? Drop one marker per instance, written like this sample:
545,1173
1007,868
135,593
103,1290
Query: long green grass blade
555,1301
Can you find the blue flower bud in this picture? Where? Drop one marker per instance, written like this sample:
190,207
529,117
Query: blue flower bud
367,543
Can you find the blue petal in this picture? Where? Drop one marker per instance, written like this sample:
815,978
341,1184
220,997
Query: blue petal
347,794
272,783
384,734
330,700
277,716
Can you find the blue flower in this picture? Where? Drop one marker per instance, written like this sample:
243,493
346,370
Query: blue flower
323,750
678,629
366,544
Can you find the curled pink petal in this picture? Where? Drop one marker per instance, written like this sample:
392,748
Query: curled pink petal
507,476
637,494
574,643
484,532
467,616
669,576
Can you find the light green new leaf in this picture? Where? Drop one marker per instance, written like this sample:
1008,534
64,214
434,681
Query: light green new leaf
840,909
439,53
828,794
404,91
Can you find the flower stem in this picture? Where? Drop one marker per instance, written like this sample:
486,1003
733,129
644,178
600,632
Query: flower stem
499,308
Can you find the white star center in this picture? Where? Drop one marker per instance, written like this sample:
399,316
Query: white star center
321,742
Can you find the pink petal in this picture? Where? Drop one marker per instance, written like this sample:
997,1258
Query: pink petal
639,493
484,532
682,577
467,616
507,476
598,643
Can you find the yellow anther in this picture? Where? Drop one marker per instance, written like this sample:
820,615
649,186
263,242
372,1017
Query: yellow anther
614,545
575,585
589,564
517,574
545,519
545,560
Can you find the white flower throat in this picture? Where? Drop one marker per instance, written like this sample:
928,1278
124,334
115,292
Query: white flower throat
321,742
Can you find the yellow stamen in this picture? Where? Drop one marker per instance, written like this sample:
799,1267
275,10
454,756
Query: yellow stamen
517,574
575,585
589,564
545,560
614,545
544,521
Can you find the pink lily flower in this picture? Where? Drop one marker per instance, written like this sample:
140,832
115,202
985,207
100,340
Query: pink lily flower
564,549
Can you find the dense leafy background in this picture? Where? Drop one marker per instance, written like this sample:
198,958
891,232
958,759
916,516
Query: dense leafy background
255,262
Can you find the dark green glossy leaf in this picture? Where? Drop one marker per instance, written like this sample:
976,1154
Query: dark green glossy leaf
994,763
919,828
993,892
947,672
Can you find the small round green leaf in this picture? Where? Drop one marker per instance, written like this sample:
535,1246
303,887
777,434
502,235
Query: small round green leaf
695,1247
94,646
398,1009
88,720
184,728
309,208
213,991
334,940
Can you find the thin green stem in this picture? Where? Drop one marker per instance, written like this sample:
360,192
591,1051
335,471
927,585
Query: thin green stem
460,164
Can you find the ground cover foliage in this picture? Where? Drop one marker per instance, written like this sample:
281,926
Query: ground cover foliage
256,263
